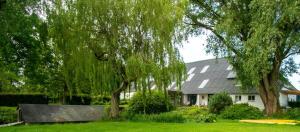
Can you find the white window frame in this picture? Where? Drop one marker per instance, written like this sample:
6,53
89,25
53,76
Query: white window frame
190,77
192,70
238,98
251,99
204,69
203,84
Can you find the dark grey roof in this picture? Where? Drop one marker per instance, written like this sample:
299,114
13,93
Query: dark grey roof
217,74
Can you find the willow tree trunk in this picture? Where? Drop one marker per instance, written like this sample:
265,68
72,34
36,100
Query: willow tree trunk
115,101
269,89
270,100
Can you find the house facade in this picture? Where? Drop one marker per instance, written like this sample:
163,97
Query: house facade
208,77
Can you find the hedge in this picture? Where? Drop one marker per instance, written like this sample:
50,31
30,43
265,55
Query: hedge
8,115
78,100
15,99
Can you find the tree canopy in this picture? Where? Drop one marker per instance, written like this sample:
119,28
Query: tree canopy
259,38
118,43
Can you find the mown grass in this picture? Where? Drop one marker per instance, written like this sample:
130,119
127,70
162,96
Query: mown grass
220,126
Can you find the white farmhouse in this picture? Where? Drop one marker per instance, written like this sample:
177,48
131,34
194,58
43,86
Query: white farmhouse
208,77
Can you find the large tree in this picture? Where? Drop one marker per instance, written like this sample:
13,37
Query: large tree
259,38
116,43
24,54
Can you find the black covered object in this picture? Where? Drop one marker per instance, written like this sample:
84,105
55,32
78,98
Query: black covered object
42,113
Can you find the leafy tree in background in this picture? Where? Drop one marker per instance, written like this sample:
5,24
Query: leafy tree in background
116,43
24,54
259,38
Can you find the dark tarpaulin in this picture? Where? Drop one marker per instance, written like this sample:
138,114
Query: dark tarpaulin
42,113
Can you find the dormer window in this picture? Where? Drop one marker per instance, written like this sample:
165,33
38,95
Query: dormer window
204,82
190,77
204,69
191,70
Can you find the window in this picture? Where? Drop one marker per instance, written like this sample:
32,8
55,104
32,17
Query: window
204,69
190,77
251,98
203,97
204,82
238,98
191,70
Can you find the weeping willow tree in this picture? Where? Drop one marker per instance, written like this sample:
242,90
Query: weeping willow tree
116,43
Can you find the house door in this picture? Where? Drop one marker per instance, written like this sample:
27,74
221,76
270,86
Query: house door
192,98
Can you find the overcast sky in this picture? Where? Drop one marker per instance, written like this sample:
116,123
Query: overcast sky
194,50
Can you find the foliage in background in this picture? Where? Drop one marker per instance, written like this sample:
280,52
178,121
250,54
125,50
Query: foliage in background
8,115
15,99
25,56
241,111
219,102
149,103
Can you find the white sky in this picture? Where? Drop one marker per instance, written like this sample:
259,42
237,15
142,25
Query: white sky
194,50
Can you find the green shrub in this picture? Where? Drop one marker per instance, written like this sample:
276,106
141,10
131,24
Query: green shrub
149,104
168,117
8,115
293,113
206,118
241,111
101,100
190,112
219,102
15,99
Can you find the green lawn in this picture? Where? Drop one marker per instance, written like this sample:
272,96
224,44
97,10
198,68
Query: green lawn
221,126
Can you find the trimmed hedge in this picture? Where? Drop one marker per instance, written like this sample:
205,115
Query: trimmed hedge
15,99
78,100
8,115
241,111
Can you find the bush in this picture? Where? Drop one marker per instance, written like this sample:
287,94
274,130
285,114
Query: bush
206,118
153,103
190,112
219,102
168,117
101,100
241,111
15,99
8,115
293,113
